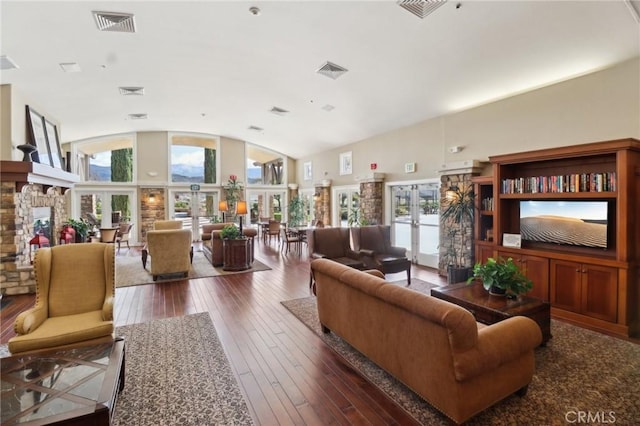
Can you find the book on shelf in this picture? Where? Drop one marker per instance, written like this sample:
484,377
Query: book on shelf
577,182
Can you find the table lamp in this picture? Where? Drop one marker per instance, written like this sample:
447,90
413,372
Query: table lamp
223,207
241,209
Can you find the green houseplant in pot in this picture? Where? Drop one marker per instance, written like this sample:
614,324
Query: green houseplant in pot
231,232
457,220
81,227
501,277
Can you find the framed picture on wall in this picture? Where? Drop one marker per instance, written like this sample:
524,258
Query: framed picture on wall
308,171
38,137
346,167
54,143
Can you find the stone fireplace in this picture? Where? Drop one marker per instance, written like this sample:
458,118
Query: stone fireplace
32,200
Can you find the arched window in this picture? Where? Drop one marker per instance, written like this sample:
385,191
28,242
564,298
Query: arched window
194,158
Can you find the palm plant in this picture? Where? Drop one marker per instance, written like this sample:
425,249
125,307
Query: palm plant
457,218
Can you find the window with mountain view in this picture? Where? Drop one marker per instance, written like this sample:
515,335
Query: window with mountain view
193,159
264,167
107,160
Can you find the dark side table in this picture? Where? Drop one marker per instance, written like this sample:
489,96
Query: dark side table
489,309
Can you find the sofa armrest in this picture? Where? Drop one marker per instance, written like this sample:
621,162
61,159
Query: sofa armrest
318,256
365,252
497,344
30,319
107,309
375,273
398,251
353,254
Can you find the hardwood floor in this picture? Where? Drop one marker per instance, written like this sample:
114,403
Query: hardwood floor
288,375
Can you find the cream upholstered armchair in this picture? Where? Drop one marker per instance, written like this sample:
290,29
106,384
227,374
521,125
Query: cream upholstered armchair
170,250
167,224
74,297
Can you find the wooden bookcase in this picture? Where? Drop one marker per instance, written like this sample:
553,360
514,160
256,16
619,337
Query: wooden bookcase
593,286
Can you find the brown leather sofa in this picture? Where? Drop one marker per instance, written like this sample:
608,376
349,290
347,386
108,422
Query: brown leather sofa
333,244
434,347
212,241
373,243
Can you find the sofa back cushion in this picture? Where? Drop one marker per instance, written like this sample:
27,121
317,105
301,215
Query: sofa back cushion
372,237
208,228
331,242
78,273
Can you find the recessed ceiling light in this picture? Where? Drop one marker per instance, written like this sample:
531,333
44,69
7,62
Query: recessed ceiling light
115,21
127,91
6,63
331,70
139,116
255,11
421,8
70,67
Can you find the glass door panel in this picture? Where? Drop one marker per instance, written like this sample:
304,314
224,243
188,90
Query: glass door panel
415,221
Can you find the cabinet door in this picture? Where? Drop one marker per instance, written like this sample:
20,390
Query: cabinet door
566,285
536,269
483,252
600,292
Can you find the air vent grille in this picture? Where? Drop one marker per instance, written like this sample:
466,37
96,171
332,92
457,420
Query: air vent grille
114,21
255,128
328,107
279,111
140,116
128,91
421,8
331,70
6,63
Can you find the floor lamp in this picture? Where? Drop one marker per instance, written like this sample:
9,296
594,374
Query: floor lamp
241,210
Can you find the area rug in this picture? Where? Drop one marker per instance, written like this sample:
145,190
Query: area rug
177,374
129,270
578,373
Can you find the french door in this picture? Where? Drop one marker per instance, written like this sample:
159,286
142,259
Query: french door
194,209
415,221
346,202
266,204
108,206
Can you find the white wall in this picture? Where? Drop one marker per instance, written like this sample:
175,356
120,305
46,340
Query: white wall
600,106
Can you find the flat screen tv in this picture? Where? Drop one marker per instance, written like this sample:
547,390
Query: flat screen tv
572,223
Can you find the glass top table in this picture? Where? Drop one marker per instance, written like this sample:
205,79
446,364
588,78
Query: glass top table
63,386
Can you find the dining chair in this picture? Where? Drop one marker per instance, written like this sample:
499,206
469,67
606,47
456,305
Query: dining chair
123,234
288,238
273,230
108,235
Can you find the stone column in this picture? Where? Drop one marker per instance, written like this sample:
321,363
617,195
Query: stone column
371,199
152,208
322,201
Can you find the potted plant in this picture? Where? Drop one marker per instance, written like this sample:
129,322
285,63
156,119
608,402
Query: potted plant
457,218
501,277
233,192
231,232
296,212
81,227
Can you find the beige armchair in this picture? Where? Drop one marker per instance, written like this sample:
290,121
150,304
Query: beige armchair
74,298
170,250
167,224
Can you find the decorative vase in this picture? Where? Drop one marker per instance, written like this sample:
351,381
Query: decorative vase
497,291
27,150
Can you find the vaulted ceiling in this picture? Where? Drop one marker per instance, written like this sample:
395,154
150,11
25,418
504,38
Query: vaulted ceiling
218,67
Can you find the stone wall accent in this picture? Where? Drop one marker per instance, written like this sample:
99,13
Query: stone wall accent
371,202
462,181
16,230
150,211
322,203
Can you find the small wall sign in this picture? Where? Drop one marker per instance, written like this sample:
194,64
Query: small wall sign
195,187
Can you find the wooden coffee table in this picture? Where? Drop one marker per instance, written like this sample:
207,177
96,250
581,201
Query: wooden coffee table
489,309
77,385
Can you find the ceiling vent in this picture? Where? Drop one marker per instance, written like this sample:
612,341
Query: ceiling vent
331,70
138,116
6,63
279,111
114,21
70,67
328,107
421,8
128,91
255,128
